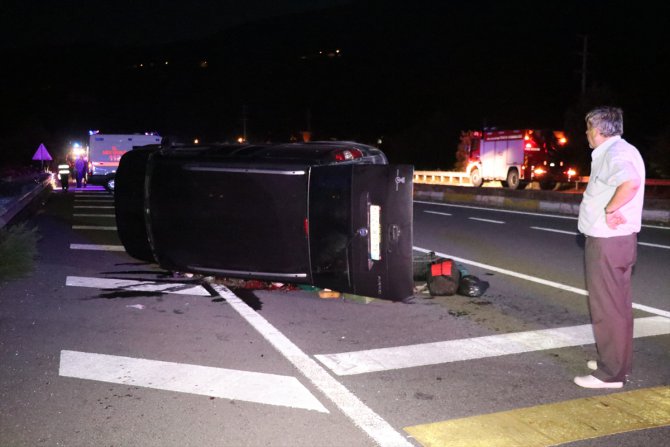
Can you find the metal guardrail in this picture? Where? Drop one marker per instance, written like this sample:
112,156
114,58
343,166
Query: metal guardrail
442,177
462,178
31,190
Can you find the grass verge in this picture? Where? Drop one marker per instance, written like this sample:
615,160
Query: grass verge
18,247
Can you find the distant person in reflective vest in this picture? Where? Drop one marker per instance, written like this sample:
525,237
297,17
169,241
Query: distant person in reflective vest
64,175
79,170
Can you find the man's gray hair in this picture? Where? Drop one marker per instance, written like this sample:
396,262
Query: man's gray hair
608,120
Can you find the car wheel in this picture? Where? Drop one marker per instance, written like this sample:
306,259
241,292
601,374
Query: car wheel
476,178
109,185
513,179
129,205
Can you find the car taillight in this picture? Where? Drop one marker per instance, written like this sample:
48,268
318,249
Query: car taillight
347,154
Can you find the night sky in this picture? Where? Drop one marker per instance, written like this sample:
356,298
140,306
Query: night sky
411,73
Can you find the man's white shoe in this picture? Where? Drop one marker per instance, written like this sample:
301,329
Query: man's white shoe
594,382
592,365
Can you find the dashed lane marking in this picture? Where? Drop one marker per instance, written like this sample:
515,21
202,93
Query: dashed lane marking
262,388
102,200
93,227
486,220
574,233
98,207
528,213
93,215
553,230
384,359
134,285
553,424
97,247
437,212
535,279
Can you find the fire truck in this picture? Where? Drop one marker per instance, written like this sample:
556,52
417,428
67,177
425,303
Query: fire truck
105,151
517,157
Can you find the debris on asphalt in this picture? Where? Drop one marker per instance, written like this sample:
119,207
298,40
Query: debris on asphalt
136,306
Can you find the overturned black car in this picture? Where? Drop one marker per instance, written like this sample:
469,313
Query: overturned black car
330,214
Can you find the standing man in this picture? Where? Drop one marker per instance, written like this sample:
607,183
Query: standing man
79,169
610,217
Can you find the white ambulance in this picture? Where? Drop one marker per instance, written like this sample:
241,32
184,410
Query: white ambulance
105,151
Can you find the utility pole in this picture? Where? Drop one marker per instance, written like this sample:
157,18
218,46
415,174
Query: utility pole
244,122
585,52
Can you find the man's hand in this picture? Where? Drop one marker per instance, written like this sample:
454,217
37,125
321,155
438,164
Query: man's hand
615,219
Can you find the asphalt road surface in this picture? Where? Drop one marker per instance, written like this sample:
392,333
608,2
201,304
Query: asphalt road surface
97,348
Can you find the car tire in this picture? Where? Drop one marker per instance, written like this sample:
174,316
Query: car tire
129,204
513,181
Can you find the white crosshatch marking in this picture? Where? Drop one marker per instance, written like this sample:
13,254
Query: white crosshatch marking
383,359
263,388
137,286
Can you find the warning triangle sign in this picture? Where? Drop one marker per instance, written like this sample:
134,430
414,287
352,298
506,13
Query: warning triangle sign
42,153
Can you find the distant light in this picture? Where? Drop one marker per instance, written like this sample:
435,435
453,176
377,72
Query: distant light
166,62
196,141
240,140
93,132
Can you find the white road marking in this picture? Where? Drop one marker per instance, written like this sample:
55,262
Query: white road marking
657,227
103,200
97,247
535,279
557,216
99,207
93,215
528,213
93,227
133,285
384,359
574,233
654,245
486,220
262,388
366,419
553,230
437,212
